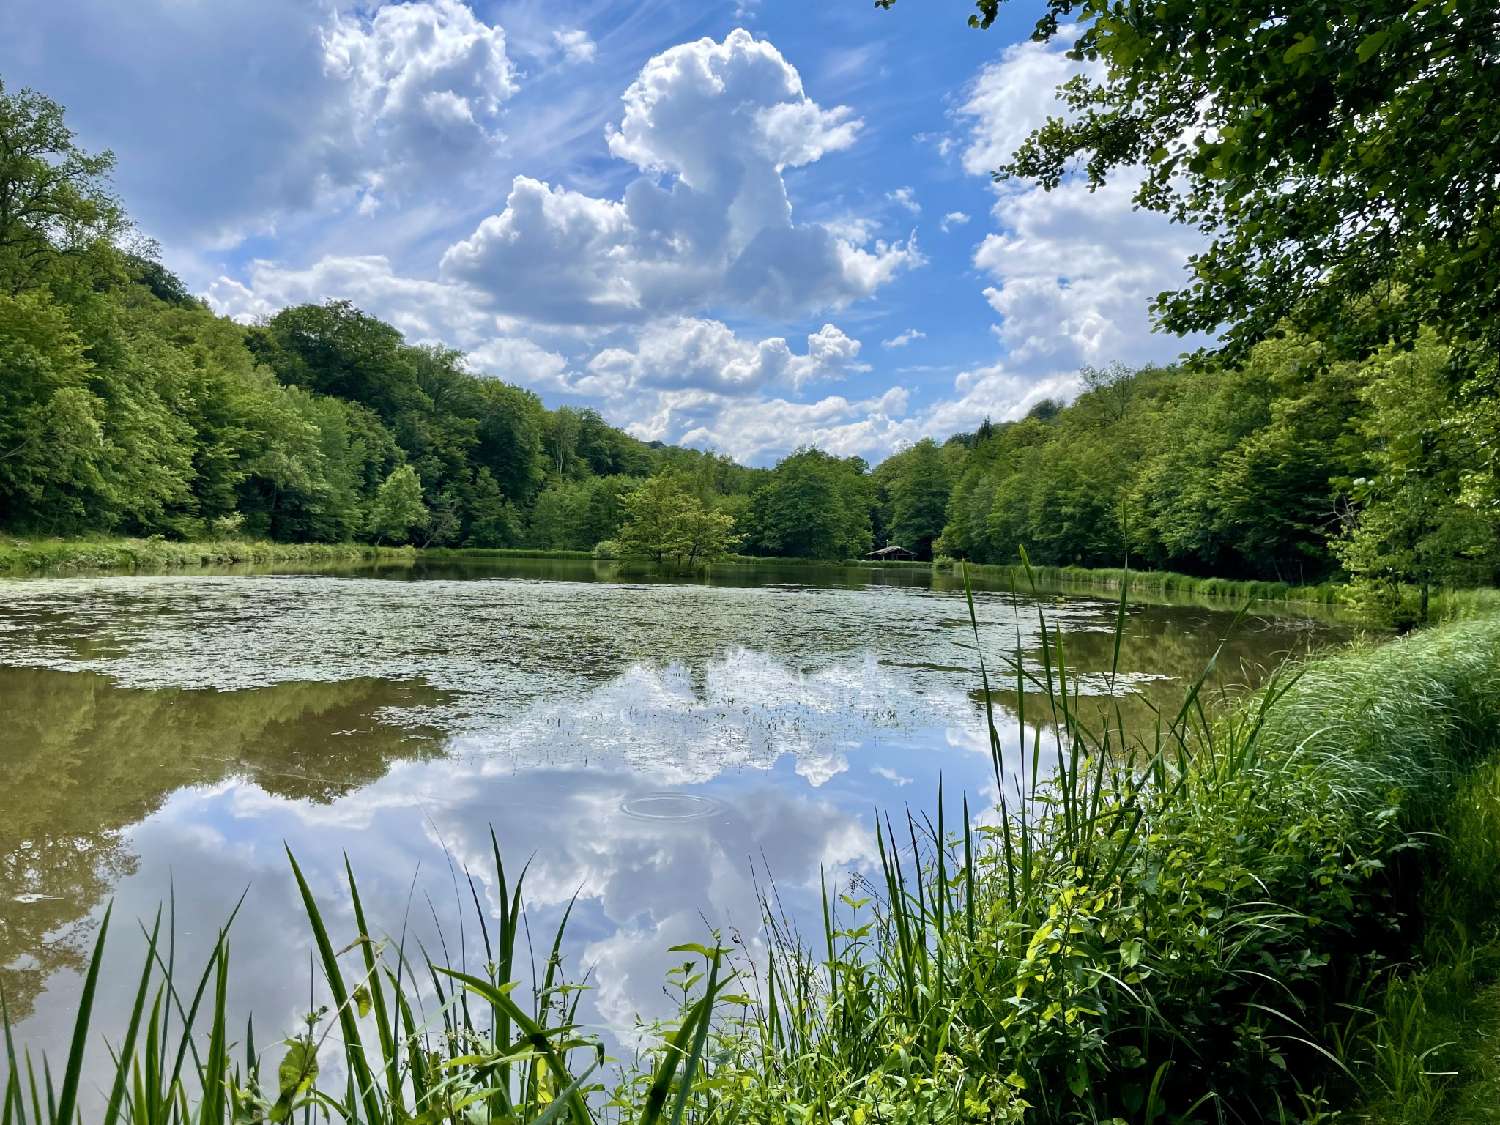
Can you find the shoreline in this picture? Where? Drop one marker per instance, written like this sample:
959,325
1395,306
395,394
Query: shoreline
22,557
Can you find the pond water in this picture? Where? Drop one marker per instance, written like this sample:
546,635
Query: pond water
664,751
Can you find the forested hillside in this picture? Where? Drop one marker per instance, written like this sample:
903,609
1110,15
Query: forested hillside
128,407
1296,465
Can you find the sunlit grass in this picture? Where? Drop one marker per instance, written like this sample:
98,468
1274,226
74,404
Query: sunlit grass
52,556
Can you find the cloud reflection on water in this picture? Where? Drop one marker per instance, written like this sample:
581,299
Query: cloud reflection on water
179,730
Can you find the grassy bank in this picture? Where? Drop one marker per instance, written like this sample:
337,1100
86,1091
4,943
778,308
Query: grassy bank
19,556
62,556
1187,930
1111,579
1446,604
1261,916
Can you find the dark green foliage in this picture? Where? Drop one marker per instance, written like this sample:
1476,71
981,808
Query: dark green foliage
1291,467
59,220
813,505
1333,151
574,515
1417,528
912,488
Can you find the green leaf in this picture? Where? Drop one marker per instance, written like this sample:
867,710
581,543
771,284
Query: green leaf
1304,45
295,1076
693,947
1372,43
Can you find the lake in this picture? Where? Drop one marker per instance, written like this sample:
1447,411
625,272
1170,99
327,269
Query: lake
664,751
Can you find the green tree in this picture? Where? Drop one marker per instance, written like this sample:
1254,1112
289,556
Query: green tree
813,505
1413,526
58,215
509,441
493,521
707,533
1333,150
51,424
654,520
665,522
398,507
335,349
918,488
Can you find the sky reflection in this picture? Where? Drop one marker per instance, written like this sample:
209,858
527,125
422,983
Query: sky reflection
169,737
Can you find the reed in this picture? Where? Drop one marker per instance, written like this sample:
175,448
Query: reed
1166,582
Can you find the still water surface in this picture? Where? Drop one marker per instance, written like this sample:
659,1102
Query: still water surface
661,750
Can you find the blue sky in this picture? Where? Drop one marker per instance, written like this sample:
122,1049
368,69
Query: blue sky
744,226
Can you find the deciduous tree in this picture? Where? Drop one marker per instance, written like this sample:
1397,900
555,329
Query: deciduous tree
398,507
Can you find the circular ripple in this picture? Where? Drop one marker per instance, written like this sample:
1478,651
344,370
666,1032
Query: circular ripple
671,806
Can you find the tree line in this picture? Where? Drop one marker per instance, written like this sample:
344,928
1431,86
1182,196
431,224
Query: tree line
128,407
1295,465
1313,451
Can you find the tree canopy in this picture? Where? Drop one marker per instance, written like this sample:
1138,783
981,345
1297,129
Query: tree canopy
1341,157
56,205
665,522
814,505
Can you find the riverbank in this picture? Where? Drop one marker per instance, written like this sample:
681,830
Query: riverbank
1111,579
65,556
20,556
1289,909
1446,605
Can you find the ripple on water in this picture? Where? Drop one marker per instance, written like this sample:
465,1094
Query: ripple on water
671,806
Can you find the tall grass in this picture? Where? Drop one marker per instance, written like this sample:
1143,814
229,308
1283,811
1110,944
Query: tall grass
446,1046
52,556
1199,921
1172,927
1166,582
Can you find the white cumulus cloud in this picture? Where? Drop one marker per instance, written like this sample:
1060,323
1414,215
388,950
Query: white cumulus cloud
905,197
1013,96
712,126
428,311
425,82
518,360
1071,272
708,355
241,117
758,430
